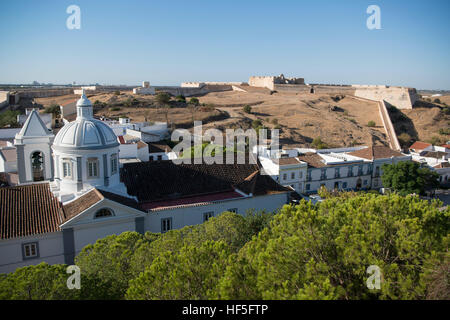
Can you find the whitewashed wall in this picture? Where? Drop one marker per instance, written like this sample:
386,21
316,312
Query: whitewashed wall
51,250
182,217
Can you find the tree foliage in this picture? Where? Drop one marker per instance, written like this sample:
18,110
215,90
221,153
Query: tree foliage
407,177
323,251
305,251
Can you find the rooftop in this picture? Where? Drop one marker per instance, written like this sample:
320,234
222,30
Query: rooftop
376,152
28,210
171,181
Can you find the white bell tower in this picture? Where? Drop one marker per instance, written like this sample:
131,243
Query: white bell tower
34,157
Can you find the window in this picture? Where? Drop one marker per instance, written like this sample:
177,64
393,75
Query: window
92,168
102,213
365,182
67,169
166,225
323,174
308,187
30,250
344,185
114,164
377,171
337,172
300,175
350,171
234,210
284,176
207,215
293,175
160,158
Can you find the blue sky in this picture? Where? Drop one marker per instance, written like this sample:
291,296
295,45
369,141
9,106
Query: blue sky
167,42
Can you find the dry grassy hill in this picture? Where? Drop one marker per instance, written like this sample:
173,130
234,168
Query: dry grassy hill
337,119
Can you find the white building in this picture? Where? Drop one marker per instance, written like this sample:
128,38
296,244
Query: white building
145,89
435,158
71,194
306,170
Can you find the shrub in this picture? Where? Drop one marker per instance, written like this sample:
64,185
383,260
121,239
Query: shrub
319,144
371,124
256,124
180,98
437,101
404,139
444,131
114,109
247,109
194,101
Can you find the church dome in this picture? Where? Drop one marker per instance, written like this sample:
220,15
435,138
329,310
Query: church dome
85,133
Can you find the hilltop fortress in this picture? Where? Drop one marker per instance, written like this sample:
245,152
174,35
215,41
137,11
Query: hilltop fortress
400,97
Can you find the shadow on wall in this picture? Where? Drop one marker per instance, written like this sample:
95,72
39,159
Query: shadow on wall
403,126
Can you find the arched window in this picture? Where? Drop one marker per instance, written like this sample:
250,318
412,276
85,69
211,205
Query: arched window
103,213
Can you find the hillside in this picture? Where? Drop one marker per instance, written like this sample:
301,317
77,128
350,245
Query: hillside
337,119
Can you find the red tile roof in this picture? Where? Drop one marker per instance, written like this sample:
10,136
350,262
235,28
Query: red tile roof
442,165
376,152
28,210
419,145
87,200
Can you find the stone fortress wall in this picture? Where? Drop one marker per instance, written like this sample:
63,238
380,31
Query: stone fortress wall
271,81
400,97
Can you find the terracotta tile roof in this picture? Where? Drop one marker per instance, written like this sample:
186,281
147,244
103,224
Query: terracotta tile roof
419,145
28,210
442,165
10,154
434,154
141,144
313,160
287,161
446,146
376,152
168,180
89,199
158,148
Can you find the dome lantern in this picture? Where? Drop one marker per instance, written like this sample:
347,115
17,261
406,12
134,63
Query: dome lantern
84,107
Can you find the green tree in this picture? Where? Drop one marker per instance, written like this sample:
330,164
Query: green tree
9,119
38,282
247,109
194,101
180,98
407,177
108,262
323,251
371,124
191,273
54,109
162,98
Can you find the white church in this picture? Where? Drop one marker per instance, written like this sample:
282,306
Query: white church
71,192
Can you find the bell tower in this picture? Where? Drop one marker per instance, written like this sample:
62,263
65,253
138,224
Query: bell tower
33,143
